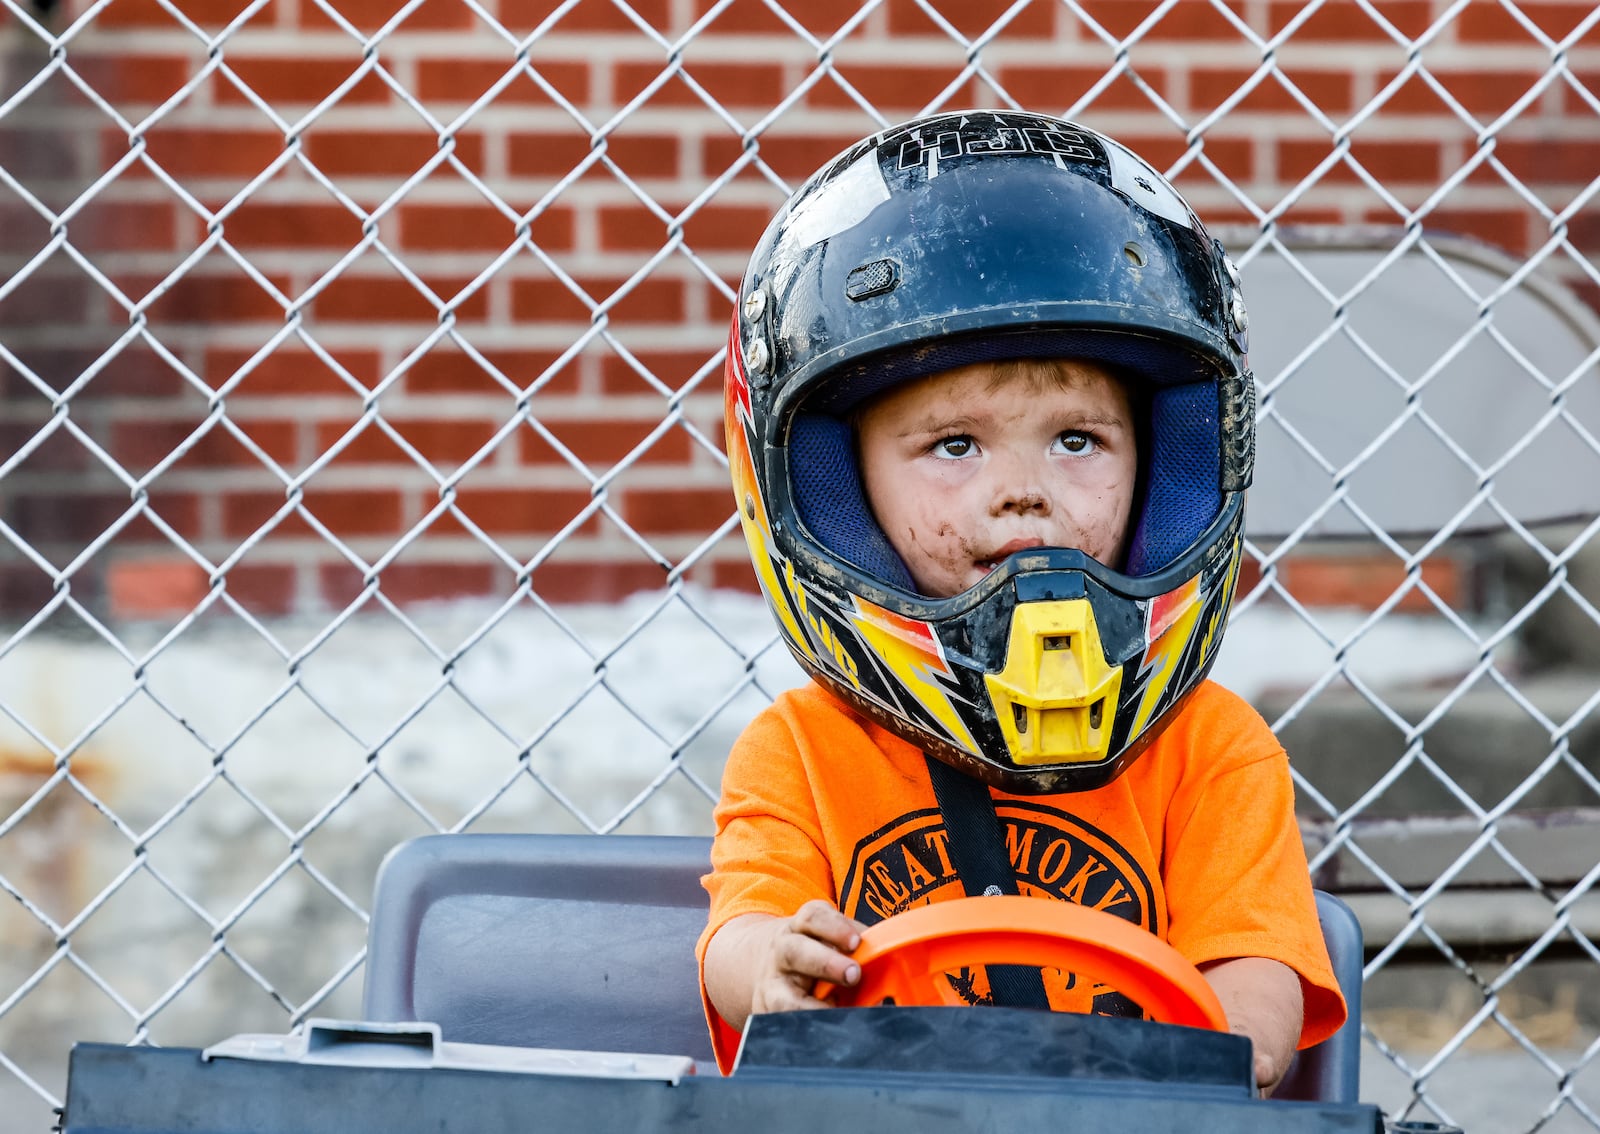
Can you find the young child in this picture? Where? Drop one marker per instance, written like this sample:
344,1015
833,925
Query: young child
990,422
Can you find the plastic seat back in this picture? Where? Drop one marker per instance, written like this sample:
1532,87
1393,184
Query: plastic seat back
1331,1071
587,942
562,941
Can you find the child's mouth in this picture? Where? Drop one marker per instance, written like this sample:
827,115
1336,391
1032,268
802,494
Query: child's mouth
999,556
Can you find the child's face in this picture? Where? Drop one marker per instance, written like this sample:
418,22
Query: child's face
966,467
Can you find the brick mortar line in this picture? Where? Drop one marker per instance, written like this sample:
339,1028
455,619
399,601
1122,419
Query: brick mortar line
362,338
245,465
398,408
549,475
278,550
681,116
667,196
1261,127
396,122
670,195
405,409
592,260
779,46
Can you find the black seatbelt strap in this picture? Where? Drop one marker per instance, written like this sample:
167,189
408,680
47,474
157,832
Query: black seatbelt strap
978,852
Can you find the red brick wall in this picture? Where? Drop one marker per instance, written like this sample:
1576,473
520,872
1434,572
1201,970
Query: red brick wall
398,393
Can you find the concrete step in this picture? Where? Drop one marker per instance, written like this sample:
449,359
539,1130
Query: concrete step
1463,818
1483,742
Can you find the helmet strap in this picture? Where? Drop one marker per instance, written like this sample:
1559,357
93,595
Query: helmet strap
978,851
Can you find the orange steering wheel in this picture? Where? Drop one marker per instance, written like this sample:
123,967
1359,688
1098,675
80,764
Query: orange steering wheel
904,958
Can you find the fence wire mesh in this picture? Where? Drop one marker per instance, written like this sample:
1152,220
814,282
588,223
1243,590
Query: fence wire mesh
316,317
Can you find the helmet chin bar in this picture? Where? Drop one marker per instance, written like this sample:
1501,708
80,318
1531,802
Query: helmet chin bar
1056,697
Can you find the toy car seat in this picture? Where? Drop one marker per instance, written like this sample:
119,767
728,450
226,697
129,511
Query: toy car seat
586,942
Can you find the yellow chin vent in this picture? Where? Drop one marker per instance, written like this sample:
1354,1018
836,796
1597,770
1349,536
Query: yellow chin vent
1056,697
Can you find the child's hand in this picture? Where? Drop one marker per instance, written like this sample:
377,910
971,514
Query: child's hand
1263,1001
757,963
796,952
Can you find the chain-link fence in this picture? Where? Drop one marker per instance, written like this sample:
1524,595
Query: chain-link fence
362,477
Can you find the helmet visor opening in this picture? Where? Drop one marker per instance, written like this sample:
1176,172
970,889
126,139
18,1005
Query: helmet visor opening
1178,495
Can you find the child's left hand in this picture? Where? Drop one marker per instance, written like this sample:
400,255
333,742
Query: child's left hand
1263,1001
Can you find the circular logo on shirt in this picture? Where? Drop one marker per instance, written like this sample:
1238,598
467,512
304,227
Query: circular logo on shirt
1053,854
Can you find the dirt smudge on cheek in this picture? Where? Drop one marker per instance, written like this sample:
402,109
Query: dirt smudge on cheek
946,547
1103,538
937,555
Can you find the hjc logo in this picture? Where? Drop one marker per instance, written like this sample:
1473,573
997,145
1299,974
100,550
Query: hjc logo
950,144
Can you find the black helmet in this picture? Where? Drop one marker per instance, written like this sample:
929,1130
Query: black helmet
983,236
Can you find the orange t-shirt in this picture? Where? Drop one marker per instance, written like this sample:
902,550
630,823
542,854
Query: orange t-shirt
1196,841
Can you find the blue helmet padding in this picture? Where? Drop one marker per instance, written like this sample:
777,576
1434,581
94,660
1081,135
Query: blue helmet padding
831,502
1156,361
1181,498
1183,493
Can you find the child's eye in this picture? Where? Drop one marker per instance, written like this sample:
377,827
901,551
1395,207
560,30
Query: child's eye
953,448
1076,443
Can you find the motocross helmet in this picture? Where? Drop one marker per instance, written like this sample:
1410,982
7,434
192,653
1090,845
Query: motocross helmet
987,236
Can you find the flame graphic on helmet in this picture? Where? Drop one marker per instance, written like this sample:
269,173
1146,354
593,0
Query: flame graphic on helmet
1171,621
747,497
913,653
1171,624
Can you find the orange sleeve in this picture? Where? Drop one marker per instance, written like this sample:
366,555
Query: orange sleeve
1236,876
768,854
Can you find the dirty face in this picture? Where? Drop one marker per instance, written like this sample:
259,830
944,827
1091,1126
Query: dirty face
969,466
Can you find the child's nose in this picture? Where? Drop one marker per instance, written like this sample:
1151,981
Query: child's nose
1019,491
1024,502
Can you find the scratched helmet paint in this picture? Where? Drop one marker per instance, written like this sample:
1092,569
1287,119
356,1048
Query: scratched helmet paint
978,236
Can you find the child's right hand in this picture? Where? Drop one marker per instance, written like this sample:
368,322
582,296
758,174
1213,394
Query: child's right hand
757,963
